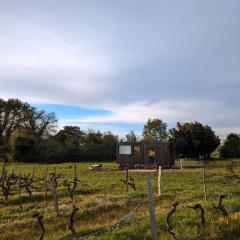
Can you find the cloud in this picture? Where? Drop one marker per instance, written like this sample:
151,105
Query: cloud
39,66
207,112
170,60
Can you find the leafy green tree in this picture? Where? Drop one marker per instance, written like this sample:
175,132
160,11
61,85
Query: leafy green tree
109,145
94,137
21,127
100,146
131,137
155,130
194,139
12,117
40,123
231,146
71,135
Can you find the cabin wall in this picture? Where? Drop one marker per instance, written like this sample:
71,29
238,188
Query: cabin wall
164,154
136,158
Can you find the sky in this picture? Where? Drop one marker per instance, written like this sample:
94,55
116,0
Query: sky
111,65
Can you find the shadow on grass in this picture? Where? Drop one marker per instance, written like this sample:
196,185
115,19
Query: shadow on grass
36,197
84,234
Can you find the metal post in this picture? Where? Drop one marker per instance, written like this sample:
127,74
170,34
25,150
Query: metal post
151,207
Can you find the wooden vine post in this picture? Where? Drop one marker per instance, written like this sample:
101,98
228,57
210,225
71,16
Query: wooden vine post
126,179
19,187
75,182
181,162
151,207
159,180
204,182
46,186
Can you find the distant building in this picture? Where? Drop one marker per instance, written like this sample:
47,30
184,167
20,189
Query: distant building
145,154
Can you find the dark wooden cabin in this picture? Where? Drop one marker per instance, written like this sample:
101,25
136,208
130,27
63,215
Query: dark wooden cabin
145,154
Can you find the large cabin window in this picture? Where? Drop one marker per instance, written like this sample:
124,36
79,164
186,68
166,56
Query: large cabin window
125,150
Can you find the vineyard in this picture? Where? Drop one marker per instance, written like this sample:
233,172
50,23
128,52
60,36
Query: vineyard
69,201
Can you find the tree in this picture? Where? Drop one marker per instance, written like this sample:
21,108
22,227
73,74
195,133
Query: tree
70,135
40,123
194,139
94,137
109,145
12,117
231,146
155,130
100,146
21,127
131,137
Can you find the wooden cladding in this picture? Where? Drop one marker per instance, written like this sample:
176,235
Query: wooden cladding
142,154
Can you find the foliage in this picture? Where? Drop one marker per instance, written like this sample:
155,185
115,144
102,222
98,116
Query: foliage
131,137
231,146
70,135
29,135
40,123
22,126
194,139
12,116
155,130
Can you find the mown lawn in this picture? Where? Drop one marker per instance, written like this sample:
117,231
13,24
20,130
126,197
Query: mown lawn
102,201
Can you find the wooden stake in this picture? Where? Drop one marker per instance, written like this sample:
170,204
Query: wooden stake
204,183
19,187
181,162
159,180
151,207
46,186
126,180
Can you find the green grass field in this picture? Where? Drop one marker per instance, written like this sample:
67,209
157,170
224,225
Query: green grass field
102,201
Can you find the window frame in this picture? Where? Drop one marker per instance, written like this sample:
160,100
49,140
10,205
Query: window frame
127,154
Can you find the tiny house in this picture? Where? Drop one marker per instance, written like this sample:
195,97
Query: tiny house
145,154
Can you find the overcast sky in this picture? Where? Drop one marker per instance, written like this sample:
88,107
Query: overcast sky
111,65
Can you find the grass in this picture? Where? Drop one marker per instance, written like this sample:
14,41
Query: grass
102,201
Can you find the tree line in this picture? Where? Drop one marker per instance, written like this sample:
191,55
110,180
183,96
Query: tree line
30,135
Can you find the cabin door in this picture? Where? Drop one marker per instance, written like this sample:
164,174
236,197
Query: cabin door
151,154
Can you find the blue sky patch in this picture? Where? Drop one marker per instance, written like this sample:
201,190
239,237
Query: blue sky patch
66,111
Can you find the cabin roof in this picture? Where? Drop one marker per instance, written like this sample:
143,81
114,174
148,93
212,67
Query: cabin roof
145,142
